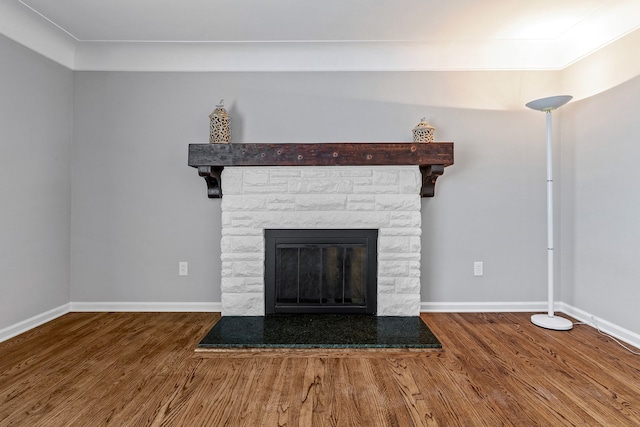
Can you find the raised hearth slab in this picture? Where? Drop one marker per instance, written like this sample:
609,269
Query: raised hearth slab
320,331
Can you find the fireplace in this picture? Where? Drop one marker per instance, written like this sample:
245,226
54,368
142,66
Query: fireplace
321,186
382,198
321,271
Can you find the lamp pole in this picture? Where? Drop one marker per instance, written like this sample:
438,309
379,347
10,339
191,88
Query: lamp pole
550,267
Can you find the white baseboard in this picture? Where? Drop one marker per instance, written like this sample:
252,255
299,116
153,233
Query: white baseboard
37,320
147,306
481,307
496,307
430,307
603,325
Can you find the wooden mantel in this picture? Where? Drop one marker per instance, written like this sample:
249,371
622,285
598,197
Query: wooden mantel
432,158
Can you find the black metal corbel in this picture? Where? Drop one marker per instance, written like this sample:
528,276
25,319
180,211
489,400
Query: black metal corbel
211,175
430,174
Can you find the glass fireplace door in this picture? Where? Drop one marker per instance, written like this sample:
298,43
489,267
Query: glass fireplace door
321,271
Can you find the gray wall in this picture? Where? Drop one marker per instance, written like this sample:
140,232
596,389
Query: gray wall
132,208
138,209
36,107
601,205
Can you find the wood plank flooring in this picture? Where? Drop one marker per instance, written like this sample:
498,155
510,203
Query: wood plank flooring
140,369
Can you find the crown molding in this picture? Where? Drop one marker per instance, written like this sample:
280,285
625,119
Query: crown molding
315,56
22,25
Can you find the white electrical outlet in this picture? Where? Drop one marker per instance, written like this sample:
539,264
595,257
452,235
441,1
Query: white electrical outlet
183,268
478,268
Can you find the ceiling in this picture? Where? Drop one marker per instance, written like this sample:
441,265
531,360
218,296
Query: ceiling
420,34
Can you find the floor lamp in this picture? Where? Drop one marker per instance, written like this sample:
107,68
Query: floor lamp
549,320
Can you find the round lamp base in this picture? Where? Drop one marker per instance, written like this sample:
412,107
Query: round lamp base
552,322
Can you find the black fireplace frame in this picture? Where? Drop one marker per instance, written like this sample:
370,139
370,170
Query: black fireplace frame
369,237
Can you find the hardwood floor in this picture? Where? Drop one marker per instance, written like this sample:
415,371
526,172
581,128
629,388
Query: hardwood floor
140,369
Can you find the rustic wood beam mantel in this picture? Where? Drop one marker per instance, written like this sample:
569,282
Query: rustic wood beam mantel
432,158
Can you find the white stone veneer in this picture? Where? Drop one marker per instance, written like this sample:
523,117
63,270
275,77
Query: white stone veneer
379,197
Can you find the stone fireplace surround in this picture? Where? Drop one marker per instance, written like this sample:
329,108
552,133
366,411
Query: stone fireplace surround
256,198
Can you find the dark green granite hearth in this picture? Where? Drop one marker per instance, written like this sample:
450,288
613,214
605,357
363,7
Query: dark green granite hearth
319,331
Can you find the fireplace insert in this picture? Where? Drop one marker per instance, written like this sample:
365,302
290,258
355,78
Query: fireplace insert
321,271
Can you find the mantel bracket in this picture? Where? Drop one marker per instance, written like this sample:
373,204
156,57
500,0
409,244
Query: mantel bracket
211,175
429,175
